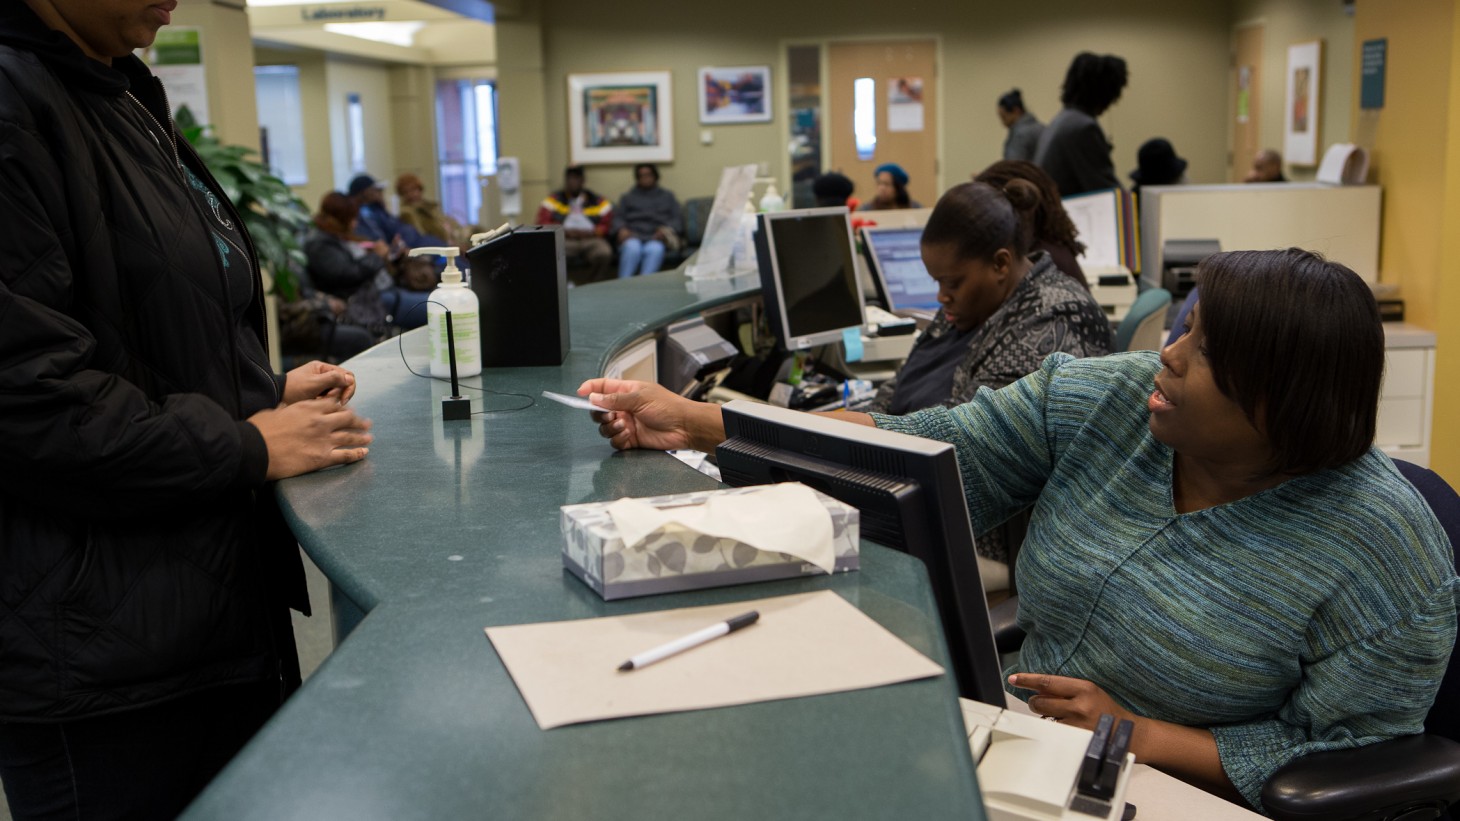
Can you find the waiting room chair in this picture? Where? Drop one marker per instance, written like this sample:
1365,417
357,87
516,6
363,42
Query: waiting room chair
1178,325
1414,778
1141,328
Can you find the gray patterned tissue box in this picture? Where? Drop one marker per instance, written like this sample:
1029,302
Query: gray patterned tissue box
675,558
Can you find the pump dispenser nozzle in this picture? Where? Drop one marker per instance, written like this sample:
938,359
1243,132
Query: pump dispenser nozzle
452,274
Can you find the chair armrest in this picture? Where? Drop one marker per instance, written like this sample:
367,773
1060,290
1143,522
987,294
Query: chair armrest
1004,618
1376,781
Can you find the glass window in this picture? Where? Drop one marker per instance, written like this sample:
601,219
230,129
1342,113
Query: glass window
281,125
355,132
864,116
805,87
466,134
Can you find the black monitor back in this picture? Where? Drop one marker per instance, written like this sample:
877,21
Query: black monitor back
910,495
521,280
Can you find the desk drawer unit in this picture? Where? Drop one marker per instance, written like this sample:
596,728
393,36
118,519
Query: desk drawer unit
1405,404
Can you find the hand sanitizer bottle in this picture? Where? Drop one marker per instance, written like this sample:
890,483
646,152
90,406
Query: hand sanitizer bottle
772,201
453,295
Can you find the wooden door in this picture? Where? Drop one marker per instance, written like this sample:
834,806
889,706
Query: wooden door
905,79
1246,94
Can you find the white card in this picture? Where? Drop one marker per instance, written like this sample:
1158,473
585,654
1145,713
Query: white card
574,401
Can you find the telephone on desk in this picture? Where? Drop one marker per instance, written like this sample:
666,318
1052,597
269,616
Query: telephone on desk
1035,770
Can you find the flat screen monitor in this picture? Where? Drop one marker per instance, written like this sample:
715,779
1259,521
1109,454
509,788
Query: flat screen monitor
808,275
896,258
910,495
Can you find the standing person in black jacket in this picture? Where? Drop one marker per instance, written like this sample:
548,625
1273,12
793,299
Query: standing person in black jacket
147,572
1073,149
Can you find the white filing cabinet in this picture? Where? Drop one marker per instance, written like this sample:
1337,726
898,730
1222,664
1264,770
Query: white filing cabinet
1407,399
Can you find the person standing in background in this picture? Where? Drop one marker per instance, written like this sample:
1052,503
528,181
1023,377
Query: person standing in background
1073,149
648,223
148,572
585,217
1024,129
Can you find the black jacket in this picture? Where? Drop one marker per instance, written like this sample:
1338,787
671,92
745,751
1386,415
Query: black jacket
141,554
334,269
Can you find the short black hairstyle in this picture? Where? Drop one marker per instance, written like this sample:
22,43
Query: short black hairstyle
832,188
979,219
1296,341
1094,82
653,169
1012,101
575,171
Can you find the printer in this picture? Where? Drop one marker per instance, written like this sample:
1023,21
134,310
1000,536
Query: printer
1035,770
1179,258
1113,287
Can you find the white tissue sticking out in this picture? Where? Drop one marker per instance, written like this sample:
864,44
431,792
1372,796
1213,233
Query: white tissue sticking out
784,518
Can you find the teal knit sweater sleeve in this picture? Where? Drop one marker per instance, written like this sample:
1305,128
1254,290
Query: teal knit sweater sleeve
1319,614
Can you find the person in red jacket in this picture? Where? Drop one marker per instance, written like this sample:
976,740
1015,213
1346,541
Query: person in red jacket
585,217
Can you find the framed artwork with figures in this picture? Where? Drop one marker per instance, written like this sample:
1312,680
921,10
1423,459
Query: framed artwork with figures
620,117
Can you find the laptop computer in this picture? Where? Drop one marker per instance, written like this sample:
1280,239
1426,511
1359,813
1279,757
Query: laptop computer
894,256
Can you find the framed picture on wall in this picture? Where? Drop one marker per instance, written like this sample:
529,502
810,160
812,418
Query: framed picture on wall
1301,115
620,117
738,94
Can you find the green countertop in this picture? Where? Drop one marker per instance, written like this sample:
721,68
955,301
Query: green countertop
451,527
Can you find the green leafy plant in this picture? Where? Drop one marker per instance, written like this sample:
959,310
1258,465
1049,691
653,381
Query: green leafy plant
274,217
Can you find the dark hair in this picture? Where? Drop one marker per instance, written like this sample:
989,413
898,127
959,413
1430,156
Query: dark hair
1093,82
574,171
1296,341
832,188
654,169
336,213
979,219
1051,223
1012,100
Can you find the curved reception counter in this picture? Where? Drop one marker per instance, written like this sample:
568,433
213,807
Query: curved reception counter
448,528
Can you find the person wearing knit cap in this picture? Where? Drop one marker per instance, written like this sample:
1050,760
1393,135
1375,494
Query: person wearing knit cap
891,190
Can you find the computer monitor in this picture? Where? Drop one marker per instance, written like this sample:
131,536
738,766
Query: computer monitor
808,275
910,495
895,256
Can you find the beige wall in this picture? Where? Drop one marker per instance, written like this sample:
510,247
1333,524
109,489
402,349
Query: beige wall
372,82
1177,53
1285,23
315,115
1416,157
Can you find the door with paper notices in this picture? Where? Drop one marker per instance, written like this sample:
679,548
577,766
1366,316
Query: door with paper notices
1246,98
882,107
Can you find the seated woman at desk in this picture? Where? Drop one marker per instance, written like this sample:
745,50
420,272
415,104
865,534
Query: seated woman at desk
1217,550
1003,310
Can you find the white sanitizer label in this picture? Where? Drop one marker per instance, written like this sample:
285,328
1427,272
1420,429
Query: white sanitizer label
466,328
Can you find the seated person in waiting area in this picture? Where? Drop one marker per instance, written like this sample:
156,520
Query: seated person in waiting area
380,225
585,217
1217,550
648,222
346,265
427,216
891,191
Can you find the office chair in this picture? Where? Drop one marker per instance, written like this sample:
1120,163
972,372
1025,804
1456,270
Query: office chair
1178,325
1142,326
1413,778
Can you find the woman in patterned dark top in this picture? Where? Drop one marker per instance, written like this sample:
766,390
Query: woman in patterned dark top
1003,310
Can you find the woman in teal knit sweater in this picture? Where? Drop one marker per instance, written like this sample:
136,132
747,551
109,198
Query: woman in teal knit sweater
1217,552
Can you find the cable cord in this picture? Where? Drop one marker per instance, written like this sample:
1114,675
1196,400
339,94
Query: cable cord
401,346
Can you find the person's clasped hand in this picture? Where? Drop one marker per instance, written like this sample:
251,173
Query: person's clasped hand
1072,701
317,379
312,428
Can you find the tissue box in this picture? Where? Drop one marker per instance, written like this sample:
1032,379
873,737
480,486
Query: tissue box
669,562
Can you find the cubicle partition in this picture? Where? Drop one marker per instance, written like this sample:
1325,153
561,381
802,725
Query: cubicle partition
448,528
1339,221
